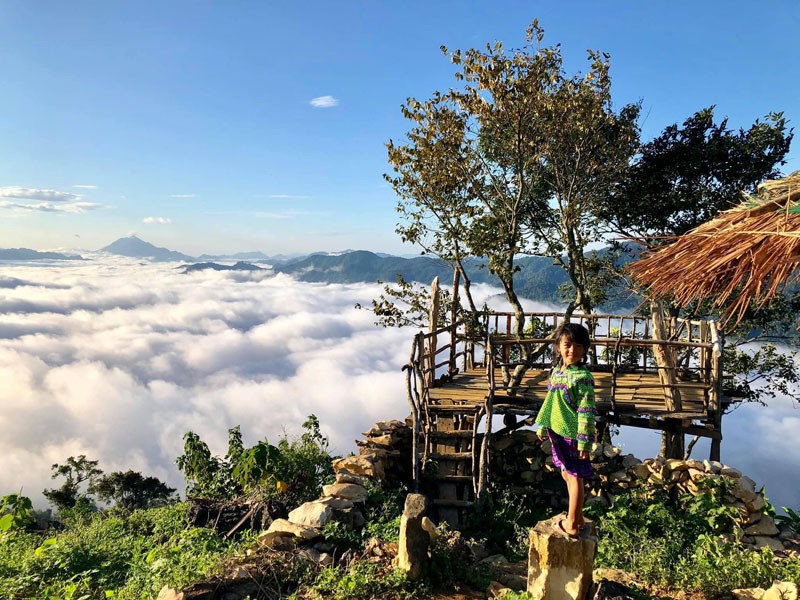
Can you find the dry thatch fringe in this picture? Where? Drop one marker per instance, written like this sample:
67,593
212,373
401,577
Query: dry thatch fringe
747,254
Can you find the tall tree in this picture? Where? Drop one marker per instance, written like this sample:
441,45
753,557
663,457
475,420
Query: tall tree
684,177
512,161
130,490
689,173
76,470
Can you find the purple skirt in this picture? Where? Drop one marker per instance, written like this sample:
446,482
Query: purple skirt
565,456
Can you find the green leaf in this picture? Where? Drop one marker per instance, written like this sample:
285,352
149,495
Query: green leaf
6,522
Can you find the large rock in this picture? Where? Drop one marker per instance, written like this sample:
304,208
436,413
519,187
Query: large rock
765,526
412,553
560,566
167,593
772,543
363,464
311,514
348,491
781,590
745,489
748,594
282,528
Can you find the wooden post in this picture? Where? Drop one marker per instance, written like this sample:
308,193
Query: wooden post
672,437
453,321
433,318
716,387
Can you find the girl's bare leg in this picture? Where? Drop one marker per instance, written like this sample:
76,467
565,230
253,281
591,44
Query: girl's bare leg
574,520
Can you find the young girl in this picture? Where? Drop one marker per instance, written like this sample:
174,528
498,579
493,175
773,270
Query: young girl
567,418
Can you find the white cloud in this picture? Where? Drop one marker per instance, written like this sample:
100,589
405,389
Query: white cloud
117,360
39,200
157,221
70,207
85,187
288,197
19,193
324,102
183,195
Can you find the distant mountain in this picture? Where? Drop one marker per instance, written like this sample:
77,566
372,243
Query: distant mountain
137,248
537,279
238,256
239,266
28,254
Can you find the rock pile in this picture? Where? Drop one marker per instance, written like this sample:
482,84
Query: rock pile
521,457
380,458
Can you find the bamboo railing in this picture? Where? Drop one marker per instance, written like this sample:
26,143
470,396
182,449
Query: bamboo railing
620,344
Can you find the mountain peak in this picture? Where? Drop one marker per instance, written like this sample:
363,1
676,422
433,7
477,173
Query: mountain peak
135,247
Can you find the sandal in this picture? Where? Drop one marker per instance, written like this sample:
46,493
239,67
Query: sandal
573,536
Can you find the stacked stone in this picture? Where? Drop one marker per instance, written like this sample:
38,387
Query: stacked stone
377,460
523,462
755,528
388,444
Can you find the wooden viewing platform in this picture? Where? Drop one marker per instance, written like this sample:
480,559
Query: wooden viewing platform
655,374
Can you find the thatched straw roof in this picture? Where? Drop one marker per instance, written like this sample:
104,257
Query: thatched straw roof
746,254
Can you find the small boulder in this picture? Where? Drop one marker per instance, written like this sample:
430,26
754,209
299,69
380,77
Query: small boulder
414,540
281,528
311,514
764,527
772,543
748,594
781,590
348,491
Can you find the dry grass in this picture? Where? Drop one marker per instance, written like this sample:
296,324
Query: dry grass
745,255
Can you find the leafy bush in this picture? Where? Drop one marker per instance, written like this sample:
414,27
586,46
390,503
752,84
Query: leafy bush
16,512
502,522
294,469
684,542
133,556
363,580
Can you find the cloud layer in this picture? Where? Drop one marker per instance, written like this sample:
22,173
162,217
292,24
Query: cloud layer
117,360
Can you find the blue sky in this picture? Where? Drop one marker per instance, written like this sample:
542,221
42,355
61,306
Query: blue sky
191,123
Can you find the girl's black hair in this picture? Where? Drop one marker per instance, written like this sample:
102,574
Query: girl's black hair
575,333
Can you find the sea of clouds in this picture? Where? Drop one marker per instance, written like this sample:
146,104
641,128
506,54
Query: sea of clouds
118,358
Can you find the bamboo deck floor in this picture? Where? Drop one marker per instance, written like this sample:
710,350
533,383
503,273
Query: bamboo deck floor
637,394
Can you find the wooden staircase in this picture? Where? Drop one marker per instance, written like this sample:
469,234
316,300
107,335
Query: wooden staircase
450,459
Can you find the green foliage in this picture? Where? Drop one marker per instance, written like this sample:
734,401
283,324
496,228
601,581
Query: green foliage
502,521
75,471
132,556
301,465
790,519
692,172
408,304
683,542
131,490
363,581
16,512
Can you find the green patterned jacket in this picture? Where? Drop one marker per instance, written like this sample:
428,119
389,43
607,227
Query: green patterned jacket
569,407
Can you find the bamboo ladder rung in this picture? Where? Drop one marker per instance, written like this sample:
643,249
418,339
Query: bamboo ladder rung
454,456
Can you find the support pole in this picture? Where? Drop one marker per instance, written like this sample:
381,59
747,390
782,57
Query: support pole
671,438
433,318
